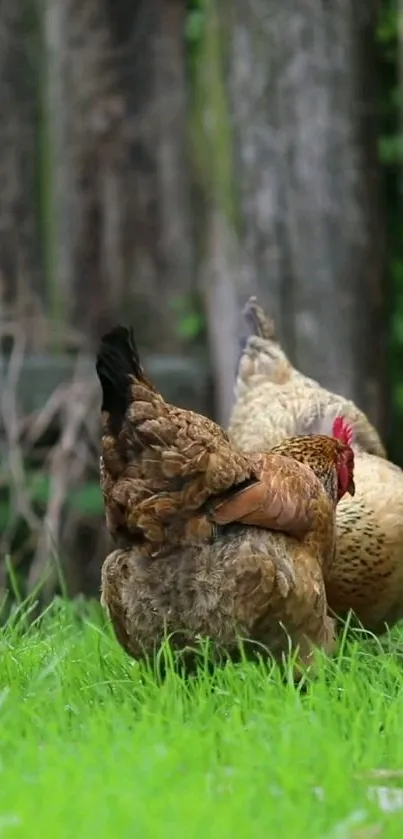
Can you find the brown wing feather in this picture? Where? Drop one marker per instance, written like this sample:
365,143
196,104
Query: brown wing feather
177,452
283,499
173,462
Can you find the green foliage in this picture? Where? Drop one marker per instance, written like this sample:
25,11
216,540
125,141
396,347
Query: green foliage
391,156
388,30
195,22
391,149
189,316
86,500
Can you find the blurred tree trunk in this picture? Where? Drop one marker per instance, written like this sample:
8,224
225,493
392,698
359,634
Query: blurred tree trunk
19,252
219,276
120,207
301,81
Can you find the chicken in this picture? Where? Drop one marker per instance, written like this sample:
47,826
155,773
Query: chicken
190,515
267,378
273,401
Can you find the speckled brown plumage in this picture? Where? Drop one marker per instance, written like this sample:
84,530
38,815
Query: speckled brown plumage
367,573
169,476
174,488
273,400
249,584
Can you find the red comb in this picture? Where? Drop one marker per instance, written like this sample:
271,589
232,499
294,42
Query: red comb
342,431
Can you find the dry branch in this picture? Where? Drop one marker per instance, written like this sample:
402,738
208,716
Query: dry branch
73,408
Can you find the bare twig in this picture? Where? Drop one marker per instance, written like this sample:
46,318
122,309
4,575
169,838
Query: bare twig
20,499
65,469
72,405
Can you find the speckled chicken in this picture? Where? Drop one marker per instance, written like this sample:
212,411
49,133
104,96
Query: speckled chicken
273,401
189,512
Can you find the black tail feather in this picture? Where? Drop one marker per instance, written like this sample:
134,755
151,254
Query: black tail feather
117,361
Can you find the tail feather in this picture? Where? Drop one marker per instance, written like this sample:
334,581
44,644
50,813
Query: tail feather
261,353
258,322
117,362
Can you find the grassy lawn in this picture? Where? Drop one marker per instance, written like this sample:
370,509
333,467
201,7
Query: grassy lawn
91,745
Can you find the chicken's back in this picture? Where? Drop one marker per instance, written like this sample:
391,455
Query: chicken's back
367,572
274,400
250,584
266,412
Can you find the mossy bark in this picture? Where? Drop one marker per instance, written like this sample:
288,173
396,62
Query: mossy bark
302,82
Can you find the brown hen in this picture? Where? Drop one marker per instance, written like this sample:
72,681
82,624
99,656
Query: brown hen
273,401
179,499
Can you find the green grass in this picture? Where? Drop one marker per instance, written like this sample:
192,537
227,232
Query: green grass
92,745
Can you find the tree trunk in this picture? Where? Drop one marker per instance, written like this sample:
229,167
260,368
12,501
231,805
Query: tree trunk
120,202
302,83
19,251
220,276
159,246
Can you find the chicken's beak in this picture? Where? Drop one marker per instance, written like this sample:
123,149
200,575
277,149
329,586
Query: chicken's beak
351,487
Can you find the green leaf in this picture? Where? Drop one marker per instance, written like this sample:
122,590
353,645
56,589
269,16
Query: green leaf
190,325
87,499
